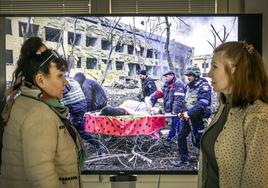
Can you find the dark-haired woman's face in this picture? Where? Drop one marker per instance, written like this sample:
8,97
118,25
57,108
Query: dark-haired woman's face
52,85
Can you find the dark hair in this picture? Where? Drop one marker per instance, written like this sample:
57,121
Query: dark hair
28,49
80,78
143,72
29,65
42,62
112,111
249,81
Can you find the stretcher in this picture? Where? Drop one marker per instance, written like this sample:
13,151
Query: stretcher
127,125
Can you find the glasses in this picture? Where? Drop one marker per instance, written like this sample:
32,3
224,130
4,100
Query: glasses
53,53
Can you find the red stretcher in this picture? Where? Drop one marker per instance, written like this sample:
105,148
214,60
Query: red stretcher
127,125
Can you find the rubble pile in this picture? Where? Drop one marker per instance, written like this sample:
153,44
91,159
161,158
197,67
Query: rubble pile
140,153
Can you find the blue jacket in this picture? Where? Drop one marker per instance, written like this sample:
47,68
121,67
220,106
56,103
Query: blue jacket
198,98
173,93
148,87
95,95
73,97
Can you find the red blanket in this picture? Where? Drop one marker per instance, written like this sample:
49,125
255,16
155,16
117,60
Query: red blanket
124,125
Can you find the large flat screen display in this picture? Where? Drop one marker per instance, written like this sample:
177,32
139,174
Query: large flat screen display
112,50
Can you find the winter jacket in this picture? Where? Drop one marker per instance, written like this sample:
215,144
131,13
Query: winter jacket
241,149
198,98
173,94
148,87
95,95
74,97
38,151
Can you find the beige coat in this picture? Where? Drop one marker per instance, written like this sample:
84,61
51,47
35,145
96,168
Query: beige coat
38,151
241,148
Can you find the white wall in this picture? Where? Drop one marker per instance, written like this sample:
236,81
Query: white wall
143,181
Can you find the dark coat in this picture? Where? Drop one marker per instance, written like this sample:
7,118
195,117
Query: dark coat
173,93
198,98
148,87
95,95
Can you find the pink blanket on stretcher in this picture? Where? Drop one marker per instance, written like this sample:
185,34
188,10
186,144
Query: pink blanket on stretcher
124,125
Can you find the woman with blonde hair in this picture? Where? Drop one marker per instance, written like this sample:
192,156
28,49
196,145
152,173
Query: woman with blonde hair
234,148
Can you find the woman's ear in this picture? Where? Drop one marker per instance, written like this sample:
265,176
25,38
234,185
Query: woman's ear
40,81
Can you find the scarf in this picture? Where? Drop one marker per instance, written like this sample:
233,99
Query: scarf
54,105
62,111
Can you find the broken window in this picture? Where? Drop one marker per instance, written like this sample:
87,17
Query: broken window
134,69
119,47
33,29
130,49
8,27
149,69
90,41
157,70
110,63
105,45
91,63
119,65
9,57
78,64
71,38
205,65
142,51
204,74
156,54
138,68
149,53
52,34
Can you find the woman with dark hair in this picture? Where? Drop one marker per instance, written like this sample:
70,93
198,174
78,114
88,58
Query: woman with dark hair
40,148
234,148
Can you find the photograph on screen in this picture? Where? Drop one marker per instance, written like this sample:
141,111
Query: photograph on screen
113,52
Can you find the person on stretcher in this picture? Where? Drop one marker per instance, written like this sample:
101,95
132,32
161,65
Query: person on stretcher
132,107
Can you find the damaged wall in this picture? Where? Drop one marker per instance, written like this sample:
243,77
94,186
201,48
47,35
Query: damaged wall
92,47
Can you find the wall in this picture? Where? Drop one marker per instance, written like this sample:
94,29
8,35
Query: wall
144,181
260,6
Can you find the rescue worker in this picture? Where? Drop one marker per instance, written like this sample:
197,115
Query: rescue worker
198,101
173,94
75,100
96,97
148,86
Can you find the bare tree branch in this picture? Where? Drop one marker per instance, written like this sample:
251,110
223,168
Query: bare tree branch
110,39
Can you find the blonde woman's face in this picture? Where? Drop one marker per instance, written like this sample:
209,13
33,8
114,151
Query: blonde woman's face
218,75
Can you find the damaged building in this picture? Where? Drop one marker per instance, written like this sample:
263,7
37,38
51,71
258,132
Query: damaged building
88,41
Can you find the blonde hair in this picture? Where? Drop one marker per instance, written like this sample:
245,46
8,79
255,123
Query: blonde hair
249,80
